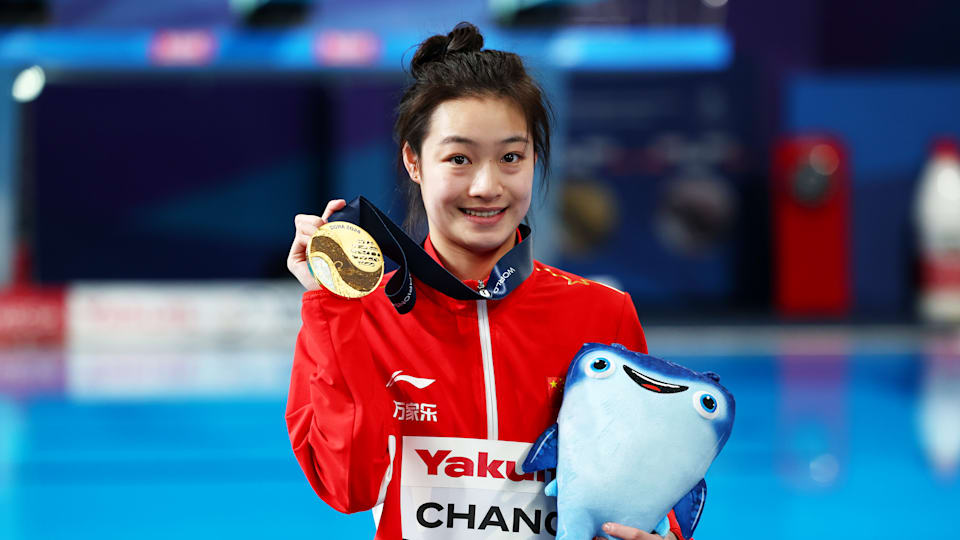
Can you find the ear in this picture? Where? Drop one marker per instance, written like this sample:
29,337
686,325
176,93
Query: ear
411,162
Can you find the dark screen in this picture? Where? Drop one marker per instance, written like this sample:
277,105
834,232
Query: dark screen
170,178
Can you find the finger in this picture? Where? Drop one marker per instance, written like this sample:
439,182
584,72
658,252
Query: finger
298,249
307,223
307,218
308,229
333,206
628,533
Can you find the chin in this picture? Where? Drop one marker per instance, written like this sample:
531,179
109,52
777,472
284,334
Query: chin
483,243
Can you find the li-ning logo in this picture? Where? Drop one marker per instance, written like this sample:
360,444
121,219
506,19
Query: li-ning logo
503,278
416,381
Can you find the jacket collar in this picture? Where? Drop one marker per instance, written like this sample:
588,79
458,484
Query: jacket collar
511,271
432,252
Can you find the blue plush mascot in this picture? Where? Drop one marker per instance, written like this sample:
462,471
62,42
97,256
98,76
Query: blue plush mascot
634,437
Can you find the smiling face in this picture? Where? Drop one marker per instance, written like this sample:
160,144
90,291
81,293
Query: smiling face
475,171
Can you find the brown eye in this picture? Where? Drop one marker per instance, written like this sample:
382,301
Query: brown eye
459,160
511,158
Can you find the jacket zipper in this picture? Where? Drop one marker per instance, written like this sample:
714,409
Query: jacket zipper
486,352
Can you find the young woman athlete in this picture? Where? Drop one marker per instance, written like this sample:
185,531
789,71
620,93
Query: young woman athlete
466,374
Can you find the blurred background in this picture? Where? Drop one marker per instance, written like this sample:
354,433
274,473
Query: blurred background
776,184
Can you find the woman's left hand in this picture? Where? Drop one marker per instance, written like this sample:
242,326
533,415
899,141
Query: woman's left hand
629,533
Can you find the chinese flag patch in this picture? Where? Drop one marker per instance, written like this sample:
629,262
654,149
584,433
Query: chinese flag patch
555,391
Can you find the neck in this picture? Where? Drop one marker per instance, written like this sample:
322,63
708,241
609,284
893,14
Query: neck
467,264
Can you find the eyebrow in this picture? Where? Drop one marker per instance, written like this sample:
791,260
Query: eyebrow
452,139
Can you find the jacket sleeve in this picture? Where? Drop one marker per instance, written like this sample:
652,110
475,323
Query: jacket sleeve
629,331
339,420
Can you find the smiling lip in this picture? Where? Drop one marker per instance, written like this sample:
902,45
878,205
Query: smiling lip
652,384
484,216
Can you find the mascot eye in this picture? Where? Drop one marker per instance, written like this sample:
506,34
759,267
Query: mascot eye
599,368
706,405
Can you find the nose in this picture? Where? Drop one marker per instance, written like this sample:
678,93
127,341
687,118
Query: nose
487,183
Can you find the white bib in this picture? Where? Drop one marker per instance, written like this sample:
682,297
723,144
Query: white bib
453,488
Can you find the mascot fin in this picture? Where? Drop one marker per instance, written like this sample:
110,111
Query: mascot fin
690,508
543,453
551,489
663,527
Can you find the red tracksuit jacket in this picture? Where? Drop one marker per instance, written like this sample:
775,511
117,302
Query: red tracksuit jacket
365,377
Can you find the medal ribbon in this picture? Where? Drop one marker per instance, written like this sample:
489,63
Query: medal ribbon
509,272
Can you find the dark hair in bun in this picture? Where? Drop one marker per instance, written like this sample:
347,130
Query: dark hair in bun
455,66
464,38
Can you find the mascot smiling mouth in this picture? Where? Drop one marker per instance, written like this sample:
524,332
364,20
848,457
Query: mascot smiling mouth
652,384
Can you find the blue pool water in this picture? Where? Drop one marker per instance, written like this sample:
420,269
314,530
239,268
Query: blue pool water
823,445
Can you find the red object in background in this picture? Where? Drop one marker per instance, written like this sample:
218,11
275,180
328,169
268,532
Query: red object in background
31,315
811,218
182,47
347,48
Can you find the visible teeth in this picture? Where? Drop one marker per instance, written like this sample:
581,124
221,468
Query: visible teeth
489,213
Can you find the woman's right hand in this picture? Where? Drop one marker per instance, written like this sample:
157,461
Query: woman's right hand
305,225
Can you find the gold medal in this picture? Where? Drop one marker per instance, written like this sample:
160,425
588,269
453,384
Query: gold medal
345,259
